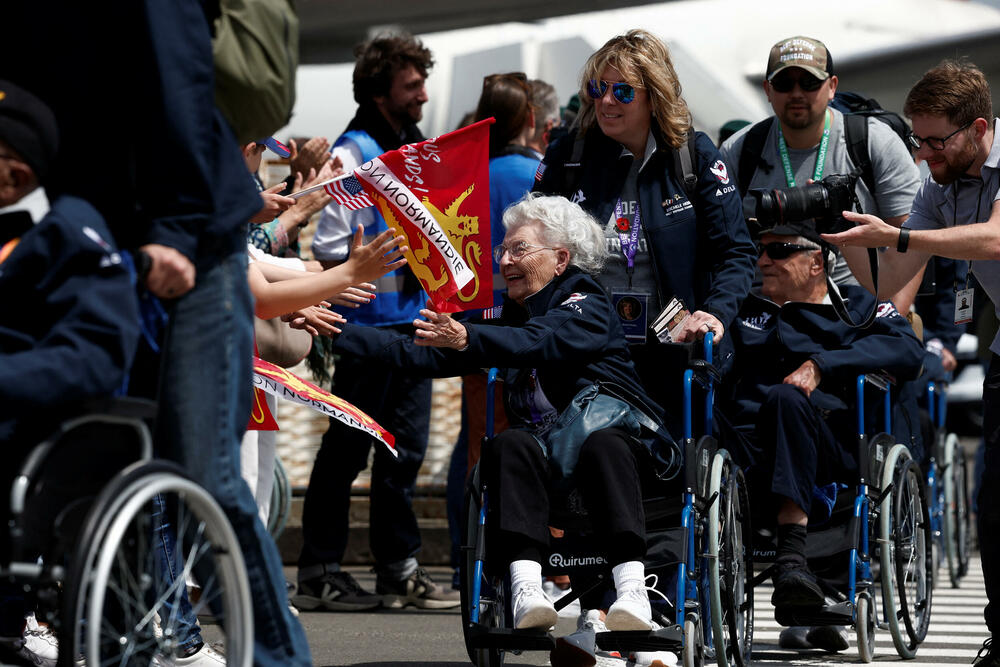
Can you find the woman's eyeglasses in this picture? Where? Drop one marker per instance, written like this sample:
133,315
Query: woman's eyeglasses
785,82
781,250
517,250
623,92
933,142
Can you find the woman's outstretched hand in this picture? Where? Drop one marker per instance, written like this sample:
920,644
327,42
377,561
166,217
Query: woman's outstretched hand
440,330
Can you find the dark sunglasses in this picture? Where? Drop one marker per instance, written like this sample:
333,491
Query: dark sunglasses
623,92
933,142
784,83
781,250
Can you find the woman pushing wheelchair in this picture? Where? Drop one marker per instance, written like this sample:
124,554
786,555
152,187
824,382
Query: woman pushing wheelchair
557,336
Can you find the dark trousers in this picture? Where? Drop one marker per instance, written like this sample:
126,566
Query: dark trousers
793,448
988,516
401,404
607,475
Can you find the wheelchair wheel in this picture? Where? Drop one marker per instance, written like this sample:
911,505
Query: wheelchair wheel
956,510
905,539
492,605
864,625
730,564
694,644
118,608
281,500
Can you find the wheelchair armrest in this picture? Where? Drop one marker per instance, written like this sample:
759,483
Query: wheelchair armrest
878,379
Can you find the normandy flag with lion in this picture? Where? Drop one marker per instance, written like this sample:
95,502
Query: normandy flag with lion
436,193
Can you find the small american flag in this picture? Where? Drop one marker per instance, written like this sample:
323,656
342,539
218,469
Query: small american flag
349,193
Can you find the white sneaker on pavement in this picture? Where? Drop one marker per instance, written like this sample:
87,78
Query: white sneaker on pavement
532,609
38,643
630,611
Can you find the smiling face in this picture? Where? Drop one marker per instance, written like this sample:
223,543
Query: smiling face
959,152
533,270
628,124
795,278
799,109
404,105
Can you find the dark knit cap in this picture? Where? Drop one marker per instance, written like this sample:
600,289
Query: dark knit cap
29,127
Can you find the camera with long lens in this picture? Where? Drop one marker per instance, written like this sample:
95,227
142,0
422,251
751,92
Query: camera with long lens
823,202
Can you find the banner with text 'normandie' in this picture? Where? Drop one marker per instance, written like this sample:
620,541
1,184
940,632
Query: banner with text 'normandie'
285,384
437,194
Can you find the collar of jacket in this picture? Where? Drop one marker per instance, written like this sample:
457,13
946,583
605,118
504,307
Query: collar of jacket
14,224
369,119
540,302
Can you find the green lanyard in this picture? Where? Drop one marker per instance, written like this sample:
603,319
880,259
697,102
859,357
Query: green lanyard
820,156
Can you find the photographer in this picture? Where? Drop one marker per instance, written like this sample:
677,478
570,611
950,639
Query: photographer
809,142
955,214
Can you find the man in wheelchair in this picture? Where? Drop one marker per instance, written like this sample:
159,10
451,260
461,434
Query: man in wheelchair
788,402
69,325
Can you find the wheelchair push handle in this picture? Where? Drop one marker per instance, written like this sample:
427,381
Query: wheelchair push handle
882,382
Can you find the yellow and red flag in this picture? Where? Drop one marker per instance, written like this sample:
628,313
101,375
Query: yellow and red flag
280,382
436,193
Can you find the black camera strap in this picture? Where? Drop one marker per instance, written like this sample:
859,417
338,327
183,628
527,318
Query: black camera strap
838,301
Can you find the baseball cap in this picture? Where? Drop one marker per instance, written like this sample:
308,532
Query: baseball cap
276,146
805,52
29,127
804,228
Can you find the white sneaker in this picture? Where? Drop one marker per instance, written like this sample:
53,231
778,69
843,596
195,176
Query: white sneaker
205,657
532,609
590,619
38,643
653,659
630,611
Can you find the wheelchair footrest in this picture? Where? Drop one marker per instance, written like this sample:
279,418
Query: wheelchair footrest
509,639
840,613
663,639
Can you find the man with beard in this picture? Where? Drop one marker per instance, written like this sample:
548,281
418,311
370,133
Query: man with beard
809,141
956,214
389,75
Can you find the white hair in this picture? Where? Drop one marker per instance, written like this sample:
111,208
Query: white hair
564,225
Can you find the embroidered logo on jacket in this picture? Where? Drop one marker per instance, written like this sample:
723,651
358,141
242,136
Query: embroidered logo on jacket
720,171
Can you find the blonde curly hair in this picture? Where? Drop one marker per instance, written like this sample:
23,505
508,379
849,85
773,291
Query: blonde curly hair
644,62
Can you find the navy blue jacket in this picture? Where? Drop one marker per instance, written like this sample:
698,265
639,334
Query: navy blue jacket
701,249
772,341
568,332
69,323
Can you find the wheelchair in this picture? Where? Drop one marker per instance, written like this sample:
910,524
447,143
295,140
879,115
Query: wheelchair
886,527
281,500
711,616
947,491
86,549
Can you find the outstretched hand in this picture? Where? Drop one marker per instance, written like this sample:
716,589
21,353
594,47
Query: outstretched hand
374,260
440,330
868,231
352,297
316,320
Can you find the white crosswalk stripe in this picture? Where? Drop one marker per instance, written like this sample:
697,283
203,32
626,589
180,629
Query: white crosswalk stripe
956,632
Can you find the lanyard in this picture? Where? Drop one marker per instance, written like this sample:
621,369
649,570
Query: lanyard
628,235
820,156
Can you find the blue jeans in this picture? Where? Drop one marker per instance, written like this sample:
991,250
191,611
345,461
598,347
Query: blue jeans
204,408
165,543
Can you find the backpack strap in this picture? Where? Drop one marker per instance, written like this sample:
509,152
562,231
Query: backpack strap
856,136
684,159
750,155
573,167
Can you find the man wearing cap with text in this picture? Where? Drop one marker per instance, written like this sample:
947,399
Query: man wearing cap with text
789,397
809,140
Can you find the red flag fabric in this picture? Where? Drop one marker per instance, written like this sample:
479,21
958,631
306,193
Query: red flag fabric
261,418
285,384
436,193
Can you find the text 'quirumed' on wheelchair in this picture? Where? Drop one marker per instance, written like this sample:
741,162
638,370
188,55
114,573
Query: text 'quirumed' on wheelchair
704,519
89,512
885,530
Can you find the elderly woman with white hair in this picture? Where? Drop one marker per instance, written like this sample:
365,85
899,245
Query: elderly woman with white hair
557,334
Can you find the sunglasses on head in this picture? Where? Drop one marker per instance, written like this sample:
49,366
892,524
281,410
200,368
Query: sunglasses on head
623,92
784,82
781,250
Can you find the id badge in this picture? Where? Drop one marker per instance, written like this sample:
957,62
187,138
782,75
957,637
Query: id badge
963,305
631,308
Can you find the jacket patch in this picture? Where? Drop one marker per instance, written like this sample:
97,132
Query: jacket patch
573,298
886,309
720,171
578,197
757,322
